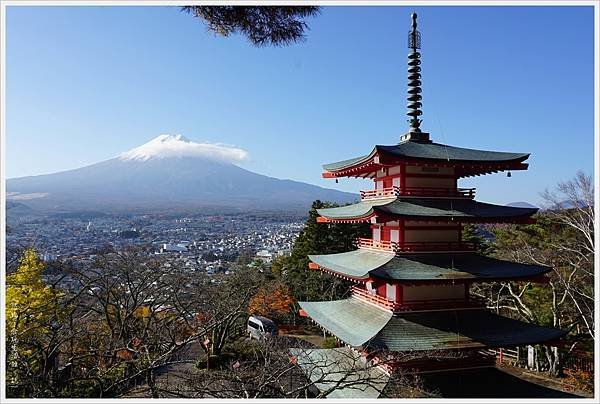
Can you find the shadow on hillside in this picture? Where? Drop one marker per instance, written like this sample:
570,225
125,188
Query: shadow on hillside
487,383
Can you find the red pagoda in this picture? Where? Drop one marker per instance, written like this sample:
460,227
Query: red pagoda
413,276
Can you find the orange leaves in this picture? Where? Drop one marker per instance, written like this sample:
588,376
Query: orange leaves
273,299
202,318
124,354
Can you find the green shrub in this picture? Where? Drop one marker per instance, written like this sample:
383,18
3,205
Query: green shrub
329,342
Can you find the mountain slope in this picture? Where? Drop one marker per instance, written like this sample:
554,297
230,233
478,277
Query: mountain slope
166,180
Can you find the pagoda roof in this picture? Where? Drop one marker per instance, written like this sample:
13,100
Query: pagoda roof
355,264
363,325
425,208
415,150
362,264
341,372
351,320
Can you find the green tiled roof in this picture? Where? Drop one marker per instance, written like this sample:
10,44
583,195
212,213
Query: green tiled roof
340,372
431,266
426,207
360,325
432,151
357,263
356,210
458,329
340,165
438,151
351,320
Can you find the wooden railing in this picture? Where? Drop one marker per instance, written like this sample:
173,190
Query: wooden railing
380,193
381,301
363,294
369,243
432,191
412,246
418,191
518,357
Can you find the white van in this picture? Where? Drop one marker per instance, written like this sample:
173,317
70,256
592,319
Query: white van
260,327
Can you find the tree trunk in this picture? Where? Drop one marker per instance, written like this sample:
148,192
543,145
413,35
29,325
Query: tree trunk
151,380
554,361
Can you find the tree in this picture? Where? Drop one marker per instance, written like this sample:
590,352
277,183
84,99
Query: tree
283,367
572,205
475,234
33,313
220,310
128,321
273,300
318,238
561,238
262,25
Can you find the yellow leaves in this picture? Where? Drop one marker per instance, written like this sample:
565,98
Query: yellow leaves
143,312
31,305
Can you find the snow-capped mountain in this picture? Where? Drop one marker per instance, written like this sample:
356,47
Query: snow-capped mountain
169,172
165,146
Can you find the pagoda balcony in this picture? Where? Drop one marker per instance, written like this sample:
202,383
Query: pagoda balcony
414,246
380,301
474,302
396,191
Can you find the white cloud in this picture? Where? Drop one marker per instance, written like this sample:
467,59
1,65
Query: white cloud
178,146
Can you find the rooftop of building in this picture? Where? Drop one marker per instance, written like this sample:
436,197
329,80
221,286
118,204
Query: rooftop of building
432,152
459,209
363,325
362,264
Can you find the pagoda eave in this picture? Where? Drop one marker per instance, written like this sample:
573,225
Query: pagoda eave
421,268
383,218
457,210
381,157
358,279
463,169
541,279
363,325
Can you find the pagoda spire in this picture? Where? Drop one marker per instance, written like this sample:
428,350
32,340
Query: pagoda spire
414,78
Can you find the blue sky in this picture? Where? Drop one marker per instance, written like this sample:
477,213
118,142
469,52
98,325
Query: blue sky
87,83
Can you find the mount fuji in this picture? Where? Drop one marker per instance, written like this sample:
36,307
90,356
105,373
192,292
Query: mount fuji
168,173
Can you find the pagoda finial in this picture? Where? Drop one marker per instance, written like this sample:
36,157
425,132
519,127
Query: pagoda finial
414,78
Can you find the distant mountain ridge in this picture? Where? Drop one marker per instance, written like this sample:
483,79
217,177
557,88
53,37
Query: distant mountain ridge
521,204
169,172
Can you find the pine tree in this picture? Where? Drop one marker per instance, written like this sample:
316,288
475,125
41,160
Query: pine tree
318,238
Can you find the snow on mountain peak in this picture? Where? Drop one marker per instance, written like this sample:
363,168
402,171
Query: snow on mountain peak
165,145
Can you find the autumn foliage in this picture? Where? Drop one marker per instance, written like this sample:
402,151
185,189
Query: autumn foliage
272,301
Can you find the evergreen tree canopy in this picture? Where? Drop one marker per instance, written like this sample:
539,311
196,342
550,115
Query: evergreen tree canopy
262,25
318,238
